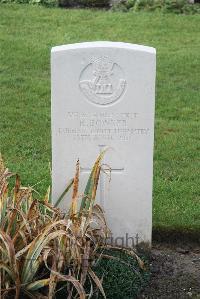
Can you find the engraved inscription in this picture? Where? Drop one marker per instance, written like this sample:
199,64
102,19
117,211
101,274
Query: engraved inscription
101,81
88,126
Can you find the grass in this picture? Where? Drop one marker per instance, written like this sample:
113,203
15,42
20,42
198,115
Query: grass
27,35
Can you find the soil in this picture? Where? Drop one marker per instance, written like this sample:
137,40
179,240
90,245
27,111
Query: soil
175,272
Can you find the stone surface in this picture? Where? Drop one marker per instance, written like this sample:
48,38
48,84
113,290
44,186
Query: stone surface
103,96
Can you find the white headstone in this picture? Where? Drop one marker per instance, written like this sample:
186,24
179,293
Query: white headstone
103,96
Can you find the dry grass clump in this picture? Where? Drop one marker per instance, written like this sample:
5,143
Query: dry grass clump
40,247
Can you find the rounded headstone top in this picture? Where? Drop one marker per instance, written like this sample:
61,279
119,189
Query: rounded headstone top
102,44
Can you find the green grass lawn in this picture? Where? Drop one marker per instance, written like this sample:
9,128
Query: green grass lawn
27,35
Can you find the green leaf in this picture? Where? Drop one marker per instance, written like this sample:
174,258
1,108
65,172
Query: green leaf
64,193
34,286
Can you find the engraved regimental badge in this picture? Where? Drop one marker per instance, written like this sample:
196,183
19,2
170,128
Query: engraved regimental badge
102,81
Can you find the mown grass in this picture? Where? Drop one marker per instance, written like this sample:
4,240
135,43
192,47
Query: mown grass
27,35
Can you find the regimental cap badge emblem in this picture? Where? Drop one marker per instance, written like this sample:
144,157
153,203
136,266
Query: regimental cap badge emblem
101,81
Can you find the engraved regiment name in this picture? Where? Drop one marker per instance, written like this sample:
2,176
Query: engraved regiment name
108,126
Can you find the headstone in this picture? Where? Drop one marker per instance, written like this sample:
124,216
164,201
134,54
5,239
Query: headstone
103,96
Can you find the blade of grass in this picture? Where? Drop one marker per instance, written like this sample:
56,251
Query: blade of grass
38,284
97,282
73,208
91,183
64,193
